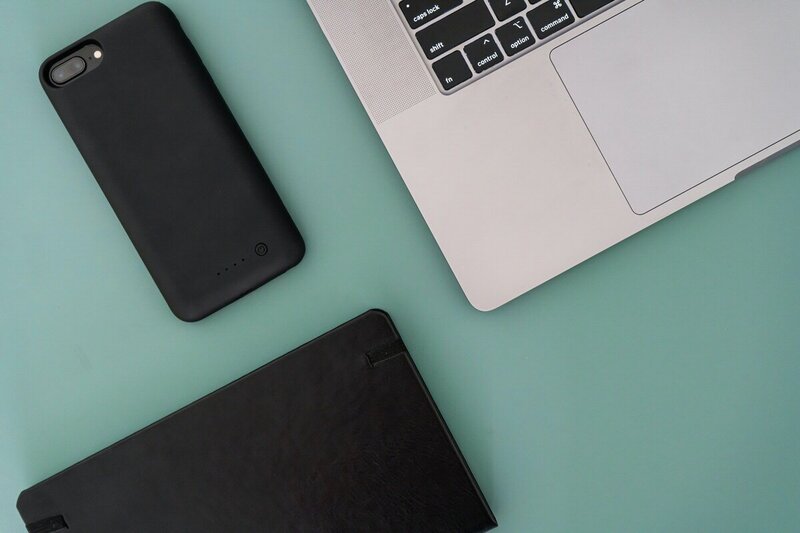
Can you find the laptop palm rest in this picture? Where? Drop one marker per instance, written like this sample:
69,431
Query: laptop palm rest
677,92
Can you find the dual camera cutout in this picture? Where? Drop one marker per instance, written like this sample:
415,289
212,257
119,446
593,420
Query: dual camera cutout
75,64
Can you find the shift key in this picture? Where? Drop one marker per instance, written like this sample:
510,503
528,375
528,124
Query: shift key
461,26
419,12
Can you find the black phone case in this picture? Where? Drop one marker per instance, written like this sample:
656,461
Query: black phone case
174,164
339,435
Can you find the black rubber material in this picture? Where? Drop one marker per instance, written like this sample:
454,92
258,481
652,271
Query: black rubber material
174,164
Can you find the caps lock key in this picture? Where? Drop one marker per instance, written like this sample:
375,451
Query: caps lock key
419,12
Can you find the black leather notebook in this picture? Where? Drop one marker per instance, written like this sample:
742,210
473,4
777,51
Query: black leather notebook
339,435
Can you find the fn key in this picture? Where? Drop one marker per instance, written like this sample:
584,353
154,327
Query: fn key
452,70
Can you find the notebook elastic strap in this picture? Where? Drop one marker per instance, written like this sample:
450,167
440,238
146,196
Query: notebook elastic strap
48,525
386,351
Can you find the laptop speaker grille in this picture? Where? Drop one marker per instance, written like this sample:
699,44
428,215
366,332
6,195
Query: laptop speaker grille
374,48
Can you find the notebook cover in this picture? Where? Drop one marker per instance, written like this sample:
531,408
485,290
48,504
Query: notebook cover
174,164
338,435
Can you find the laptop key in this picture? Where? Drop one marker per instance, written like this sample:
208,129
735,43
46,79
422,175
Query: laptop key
454,29
452,70
550,17
515,36
505,9
483,53
419,12
462,39
587,7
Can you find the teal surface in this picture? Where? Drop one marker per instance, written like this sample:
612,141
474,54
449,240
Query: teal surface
654,388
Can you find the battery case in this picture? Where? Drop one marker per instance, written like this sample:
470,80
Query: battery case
174,164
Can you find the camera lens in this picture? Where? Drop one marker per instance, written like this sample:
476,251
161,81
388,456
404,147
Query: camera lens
67,70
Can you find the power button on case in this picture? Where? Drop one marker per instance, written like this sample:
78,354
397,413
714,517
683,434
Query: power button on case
261,249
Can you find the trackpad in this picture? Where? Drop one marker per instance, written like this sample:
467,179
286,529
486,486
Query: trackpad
675,93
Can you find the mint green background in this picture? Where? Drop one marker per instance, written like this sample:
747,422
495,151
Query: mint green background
654,388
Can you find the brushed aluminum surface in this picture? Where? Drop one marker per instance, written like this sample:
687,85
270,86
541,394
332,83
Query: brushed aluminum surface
505,171
675,92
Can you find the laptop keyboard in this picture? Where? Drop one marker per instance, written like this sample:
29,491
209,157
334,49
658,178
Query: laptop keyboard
464,40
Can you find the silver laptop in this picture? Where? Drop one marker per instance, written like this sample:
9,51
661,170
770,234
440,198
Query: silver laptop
535,134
